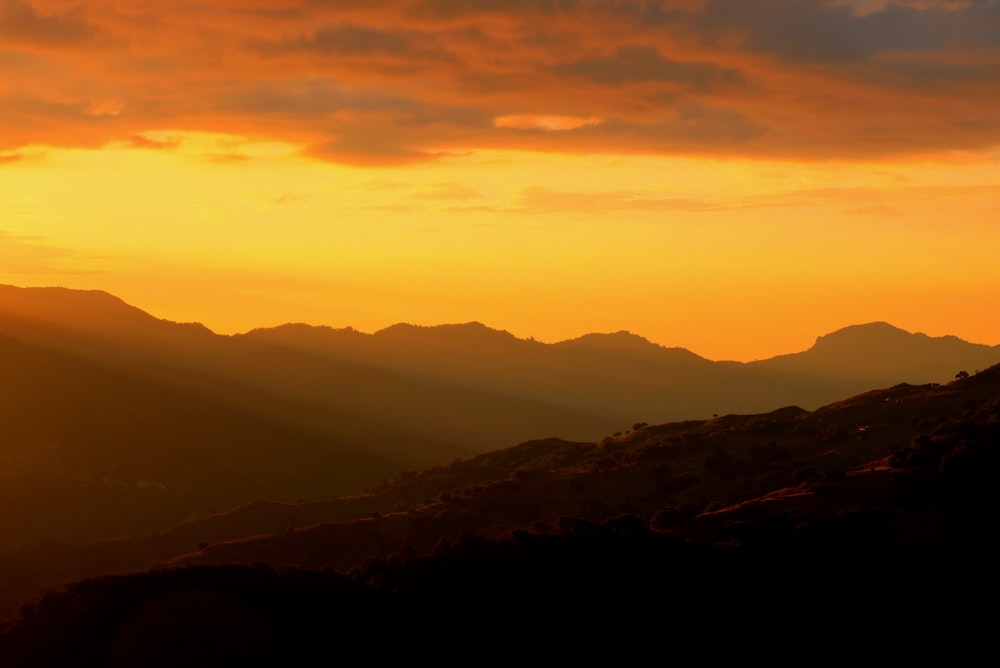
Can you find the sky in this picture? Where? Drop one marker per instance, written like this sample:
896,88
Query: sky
735,177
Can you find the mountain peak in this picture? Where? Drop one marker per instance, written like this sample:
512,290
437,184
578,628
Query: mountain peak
620,340
90,310
868,333
474,328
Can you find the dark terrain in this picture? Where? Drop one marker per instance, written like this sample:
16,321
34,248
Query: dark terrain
218,519
880,493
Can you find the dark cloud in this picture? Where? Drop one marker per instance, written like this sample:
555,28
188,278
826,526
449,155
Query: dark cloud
812,30
451,9
356,41
20,23
318,98
930,73
639,64
290,13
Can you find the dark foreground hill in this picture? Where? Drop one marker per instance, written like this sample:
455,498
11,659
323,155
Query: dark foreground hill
881,504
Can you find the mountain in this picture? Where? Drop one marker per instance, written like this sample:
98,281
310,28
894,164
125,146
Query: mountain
878,350
877,501
483,388
101,327
688,467
96,312
151,431
129,454
479,388
627,377
667,475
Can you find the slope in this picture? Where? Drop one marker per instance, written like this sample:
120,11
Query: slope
99,326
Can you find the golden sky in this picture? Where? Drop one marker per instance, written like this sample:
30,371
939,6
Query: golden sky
731,176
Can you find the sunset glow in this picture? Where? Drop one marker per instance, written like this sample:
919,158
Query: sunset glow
705,173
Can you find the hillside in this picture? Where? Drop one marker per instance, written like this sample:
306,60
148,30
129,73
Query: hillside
688,477
100,327
130,455
897,485
683,468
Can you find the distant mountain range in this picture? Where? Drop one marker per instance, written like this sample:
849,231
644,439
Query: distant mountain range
139,422
627,377
477,388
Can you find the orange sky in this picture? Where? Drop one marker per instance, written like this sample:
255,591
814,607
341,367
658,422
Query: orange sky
730,176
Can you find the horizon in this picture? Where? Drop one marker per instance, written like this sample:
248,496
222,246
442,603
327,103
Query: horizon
500,329
727,181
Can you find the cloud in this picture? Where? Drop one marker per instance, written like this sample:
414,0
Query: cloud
29,255
141,141
543,122
861,200
369,151
830,32
406,81
22,24
632,64
880,210
543,200
7,158
446,191
226,158
392,52
353,40
106,107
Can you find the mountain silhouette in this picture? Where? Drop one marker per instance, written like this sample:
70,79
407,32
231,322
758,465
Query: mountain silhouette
483,388
627,377
100,327
879,350
130,453
879,499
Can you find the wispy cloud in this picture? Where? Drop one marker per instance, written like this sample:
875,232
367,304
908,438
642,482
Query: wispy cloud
33,256
141,141
447,192
544,122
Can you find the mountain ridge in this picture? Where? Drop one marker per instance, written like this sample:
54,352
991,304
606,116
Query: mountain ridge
58,300
614,378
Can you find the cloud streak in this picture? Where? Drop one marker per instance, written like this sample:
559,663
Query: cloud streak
30,256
